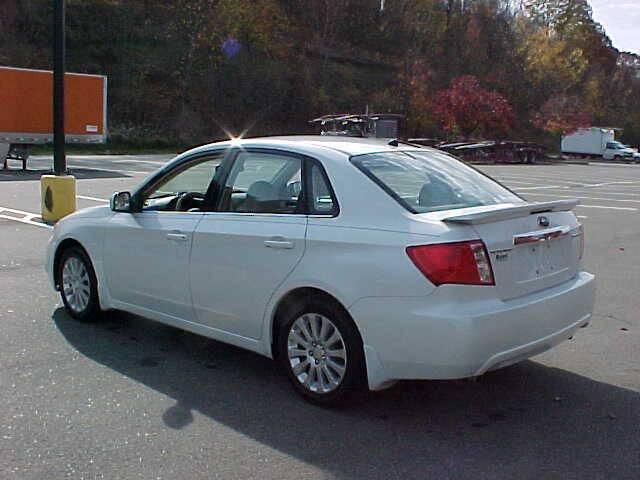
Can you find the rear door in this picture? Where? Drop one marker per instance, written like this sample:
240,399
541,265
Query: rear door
245,250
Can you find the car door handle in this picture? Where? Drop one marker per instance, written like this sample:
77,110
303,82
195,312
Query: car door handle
279,242
177,237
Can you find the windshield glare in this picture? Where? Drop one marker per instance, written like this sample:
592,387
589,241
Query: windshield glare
431,181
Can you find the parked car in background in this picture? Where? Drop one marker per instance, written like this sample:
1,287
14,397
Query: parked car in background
598,142
620,151
353,262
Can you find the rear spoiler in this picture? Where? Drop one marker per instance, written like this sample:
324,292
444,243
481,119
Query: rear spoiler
513,212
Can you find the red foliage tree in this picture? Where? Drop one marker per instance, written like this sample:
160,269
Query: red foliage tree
560,115
466,107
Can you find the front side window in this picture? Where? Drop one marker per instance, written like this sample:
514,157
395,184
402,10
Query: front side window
184,188
431,181
263,183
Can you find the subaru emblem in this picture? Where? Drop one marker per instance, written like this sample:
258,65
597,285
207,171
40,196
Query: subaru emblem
543,221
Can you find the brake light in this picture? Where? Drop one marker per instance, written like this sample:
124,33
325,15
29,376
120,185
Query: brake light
465,263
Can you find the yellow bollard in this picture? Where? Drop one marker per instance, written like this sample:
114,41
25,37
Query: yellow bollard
58,196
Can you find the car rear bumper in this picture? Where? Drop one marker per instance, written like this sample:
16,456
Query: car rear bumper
436,337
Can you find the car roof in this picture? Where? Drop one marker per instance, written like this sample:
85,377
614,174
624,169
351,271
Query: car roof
349,146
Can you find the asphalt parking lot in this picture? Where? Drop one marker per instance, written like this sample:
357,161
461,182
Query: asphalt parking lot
128,398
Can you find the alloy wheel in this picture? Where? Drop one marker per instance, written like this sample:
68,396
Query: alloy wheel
76,284
317,353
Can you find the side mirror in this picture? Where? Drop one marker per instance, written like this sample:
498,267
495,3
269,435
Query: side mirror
121,202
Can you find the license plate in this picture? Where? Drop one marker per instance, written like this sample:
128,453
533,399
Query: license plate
544,258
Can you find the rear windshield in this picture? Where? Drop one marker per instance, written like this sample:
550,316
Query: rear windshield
431,181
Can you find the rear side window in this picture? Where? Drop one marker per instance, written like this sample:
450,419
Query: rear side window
263,183
322,201
431,181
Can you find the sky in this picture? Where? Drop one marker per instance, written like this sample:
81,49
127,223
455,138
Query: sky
621,21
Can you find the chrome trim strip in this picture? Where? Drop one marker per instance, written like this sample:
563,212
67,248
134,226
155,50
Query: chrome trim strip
541,235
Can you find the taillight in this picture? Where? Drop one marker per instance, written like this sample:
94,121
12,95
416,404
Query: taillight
465,263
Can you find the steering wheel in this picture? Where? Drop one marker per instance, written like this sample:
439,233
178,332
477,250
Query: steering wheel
186,200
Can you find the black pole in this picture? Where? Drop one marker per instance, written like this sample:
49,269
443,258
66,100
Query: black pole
59,159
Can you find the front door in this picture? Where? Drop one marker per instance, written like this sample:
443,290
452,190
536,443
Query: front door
146,253
146,260
245,250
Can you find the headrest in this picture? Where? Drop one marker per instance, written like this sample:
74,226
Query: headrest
262,191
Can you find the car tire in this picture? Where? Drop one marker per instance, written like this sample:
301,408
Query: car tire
78,285
328,379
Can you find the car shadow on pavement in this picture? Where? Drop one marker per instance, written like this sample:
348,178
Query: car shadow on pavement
526,421
15,175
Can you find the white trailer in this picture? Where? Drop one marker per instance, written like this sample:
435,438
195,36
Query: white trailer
597,142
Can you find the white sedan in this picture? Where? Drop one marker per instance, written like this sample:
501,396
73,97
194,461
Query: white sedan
355,263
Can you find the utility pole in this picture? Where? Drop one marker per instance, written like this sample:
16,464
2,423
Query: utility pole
58,191
59,47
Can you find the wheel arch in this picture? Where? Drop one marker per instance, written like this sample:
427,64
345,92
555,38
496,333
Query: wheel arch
64,245
294,297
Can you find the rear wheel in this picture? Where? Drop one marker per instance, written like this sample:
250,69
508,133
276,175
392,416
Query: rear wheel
78,285
321,351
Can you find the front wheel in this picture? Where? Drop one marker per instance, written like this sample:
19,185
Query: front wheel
78,285
321,351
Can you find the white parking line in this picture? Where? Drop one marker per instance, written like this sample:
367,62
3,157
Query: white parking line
158,163
603,184
584,197
88,167
537,179
577,182
607,207
603,164
513,181
631,188
27,217
578,190
93,199
539,188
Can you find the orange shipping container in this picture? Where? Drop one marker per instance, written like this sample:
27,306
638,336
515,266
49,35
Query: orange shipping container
26,107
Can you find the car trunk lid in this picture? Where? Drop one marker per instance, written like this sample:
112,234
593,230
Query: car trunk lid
532,246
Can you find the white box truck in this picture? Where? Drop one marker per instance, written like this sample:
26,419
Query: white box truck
598,142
